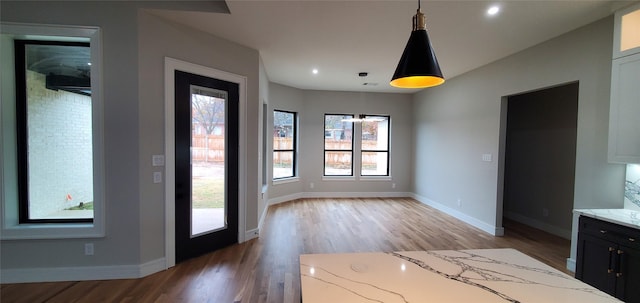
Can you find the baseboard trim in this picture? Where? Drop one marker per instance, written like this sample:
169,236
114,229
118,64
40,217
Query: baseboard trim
251,234
263,217
488,228
554,230
84,273
356,195
571,264
296,196
282,199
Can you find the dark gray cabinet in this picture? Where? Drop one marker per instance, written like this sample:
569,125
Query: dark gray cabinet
609,258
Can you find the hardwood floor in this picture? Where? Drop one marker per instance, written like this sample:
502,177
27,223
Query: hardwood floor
266,269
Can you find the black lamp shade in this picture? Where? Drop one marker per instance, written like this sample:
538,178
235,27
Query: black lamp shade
418,66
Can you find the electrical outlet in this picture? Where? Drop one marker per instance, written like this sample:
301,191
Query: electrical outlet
393,185
88,249
459,202
311,185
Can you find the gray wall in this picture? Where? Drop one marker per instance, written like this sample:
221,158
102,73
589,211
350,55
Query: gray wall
120,83
134,46
157,39
311,106
457,122
262,143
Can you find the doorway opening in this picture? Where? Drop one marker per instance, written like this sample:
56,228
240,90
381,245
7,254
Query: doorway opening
539,158
178,151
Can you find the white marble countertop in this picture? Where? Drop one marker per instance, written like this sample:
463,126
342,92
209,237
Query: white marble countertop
622,216
465,276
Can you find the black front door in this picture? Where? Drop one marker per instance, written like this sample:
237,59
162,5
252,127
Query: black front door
206,131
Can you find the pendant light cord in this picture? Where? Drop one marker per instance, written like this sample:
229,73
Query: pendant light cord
416,22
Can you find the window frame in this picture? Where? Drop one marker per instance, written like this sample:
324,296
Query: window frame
294,147
22,126
387,150
10,226
325,150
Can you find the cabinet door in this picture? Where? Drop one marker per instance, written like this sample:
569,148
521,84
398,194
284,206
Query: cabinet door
624,125
596,263
628,282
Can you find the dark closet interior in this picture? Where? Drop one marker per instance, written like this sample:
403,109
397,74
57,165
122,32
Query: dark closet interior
540,156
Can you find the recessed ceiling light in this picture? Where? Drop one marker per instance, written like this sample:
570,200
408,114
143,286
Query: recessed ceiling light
493,10
315,71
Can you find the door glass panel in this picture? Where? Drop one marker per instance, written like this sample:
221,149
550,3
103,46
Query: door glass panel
208,167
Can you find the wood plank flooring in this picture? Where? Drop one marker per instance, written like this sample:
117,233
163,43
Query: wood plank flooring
266,269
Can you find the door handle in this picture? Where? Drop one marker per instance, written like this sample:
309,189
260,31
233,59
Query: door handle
610,269
618,275
602,231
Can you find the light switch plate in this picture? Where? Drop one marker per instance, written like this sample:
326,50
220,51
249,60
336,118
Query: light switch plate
486,157
157,160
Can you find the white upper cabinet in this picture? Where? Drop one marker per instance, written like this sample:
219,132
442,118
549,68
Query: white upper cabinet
624,110
626,35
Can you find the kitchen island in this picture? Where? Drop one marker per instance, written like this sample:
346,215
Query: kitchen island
483,275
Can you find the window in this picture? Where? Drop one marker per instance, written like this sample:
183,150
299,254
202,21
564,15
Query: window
51,132
284,144
53,114
375,146
338,145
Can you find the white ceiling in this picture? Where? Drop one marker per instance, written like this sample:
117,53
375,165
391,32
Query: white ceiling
343,38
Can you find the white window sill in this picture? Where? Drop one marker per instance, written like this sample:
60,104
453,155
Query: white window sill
286,180
338,178
376,178
51,231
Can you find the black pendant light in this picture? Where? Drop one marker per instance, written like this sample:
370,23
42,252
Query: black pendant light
418,66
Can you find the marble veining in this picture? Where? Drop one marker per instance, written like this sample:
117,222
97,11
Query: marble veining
632,185
475,275
312,275
620,216
484,275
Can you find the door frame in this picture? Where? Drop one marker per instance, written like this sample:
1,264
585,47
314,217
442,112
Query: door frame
170,66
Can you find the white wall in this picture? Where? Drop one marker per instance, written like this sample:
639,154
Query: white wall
311,106
459,121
